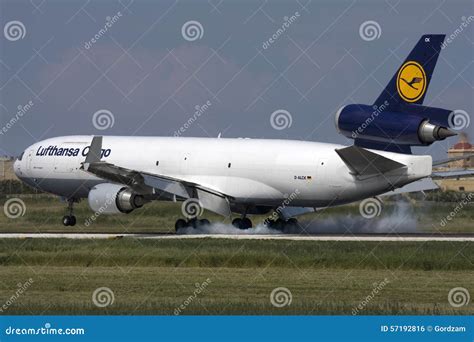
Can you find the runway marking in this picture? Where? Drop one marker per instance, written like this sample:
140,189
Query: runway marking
366,237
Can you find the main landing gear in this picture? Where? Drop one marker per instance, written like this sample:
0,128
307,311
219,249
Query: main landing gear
242,223
282,224
70,219
194,223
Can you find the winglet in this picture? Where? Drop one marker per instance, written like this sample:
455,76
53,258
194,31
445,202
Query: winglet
95,151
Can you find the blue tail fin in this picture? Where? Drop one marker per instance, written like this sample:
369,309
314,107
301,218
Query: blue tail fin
411,81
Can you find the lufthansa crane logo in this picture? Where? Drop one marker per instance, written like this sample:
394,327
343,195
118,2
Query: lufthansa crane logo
411,81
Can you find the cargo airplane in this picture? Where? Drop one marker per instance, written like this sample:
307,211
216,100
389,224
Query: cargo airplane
119,174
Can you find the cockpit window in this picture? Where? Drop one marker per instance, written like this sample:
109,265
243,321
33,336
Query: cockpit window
21,156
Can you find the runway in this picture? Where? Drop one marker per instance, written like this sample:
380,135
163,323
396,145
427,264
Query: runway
326,237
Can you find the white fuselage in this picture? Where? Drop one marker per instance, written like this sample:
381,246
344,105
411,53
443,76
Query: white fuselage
257,171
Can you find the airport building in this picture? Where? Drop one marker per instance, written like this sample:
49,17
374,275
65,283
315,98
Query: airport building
6,169
460,149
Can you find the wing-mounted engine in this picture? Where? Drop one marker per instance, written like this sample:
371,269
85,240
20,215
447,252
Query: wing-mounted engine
108,198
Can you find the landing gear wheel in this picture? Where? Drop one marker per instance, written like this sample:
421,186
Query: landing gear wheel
246,223
204,222
180,224
237,223
69,220
194,222
279,224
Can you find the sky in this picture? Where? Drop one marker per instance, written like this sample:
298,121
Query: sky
204,68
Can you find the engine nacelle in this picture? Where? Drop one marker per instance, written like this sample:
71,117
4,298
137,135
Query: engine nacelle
108,198
380,125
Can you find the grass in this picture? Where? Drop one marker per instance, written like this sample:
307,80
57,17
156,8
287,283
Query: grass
44,215
158,276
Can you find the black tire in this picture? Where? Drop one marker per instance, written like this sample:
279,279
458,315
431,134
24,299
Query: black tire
269,223
72,220
180,224
280,224
66,220
204,222
237,223
193,223
246,223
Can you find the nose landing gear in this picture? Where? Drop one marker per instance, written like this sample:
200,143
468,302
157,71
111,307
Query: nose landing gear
70,219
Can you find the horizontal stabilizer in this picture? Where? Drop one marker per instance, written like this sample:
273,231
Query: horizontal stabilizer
362,162
461,173
449,160
425,184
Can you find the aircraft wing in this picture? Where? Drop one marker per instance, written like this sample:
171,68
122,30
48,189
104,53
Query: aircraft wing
210,199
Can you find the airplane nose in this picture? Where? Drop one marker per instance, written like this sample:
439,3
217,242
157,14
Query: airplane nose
17,168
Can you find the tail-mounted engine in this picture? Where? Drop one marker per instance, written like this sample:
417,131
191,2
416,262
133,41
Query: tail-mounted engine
409,125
